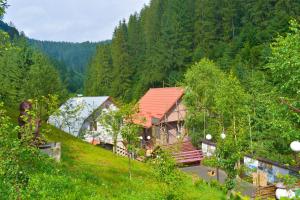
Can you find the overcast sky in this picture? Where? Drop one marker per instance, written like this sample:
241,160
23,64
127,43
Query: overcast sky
70,20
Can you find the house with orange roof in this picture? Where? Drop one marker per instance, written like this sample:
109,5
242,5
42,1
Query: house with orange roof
162,113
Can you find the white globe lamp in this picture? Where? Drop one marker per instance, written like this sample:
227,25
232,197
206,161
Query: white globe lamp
295,146
208,137
223,136
148,137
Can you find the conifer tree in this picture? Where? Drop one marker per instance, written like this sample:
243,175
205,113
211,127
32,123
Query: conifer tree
122,72
99,75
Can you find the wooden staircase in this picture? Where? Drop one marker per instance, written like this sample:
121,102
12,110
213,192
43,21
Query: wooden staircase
185,153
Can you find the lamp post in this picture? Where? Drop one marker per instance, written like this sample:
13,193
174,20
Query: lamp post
209,137
295,146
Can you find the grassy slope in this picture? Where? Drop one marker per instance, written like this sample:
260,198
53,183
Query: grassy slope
107,173
89,172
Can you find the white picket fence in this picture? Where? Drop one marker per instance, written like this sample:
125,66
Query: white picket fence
121,151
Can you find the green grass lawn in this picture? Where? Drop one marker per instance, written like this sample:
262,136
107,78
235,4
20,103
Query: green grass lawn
91,172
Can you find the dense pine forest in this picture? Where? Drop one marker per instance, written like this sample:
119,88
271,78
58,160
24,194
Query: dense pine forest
157,46
25,73
71,59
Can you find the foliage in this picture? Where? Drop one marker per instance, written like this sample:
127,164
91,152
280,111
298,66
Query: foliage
166,171
224,104
201,82
275,121
25,73
18,158
99,76
112,121
157,45
284,61
130,132
288,181
69,58
66,116
3,4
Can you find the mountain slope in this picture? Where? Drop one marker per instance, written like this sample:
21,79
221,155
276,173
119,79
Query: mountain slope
70,58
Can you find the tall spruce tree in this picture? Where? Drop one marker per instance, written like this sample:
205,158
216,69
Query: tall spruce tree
122,72
99,74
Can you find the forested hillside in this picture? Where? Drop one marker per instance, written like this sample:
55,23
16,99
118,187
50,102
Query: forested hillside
71,59
156,46
10,29
247,82
25,73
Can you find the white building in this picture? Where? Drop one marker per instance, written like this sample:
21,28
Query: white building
79,116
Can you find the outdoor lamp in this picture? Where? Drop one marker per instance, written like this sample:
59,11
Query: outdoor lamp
208,137
141,137
223,135
295,146
148,137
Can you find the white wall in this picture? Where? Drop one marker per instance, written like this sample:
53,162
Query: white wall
208,150
101,133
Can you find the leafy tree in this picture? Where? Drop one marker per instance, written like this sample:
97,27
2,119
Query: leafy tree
112,121
201,82
3,4
166,171
224,104
66,116
129,132
284,65
232,105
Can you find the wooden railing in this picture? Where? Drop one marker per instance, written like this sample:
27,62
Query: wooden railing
188,156
184,152
121,151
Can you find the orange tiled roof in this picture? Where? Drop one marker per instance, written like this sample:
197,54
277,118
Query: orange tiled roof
156,103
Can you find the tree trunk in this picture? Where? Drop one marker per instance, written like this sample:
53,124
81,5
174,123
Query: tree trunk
18,193
115,145
129,165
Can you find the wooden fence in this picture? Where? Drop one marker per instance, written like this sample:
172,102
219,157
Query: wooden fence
267,192
121,151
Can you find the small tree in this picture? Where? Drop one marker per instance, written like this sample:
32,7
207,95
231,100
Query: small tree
166,171
201,82
67,115
232,105
130,131
112,122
